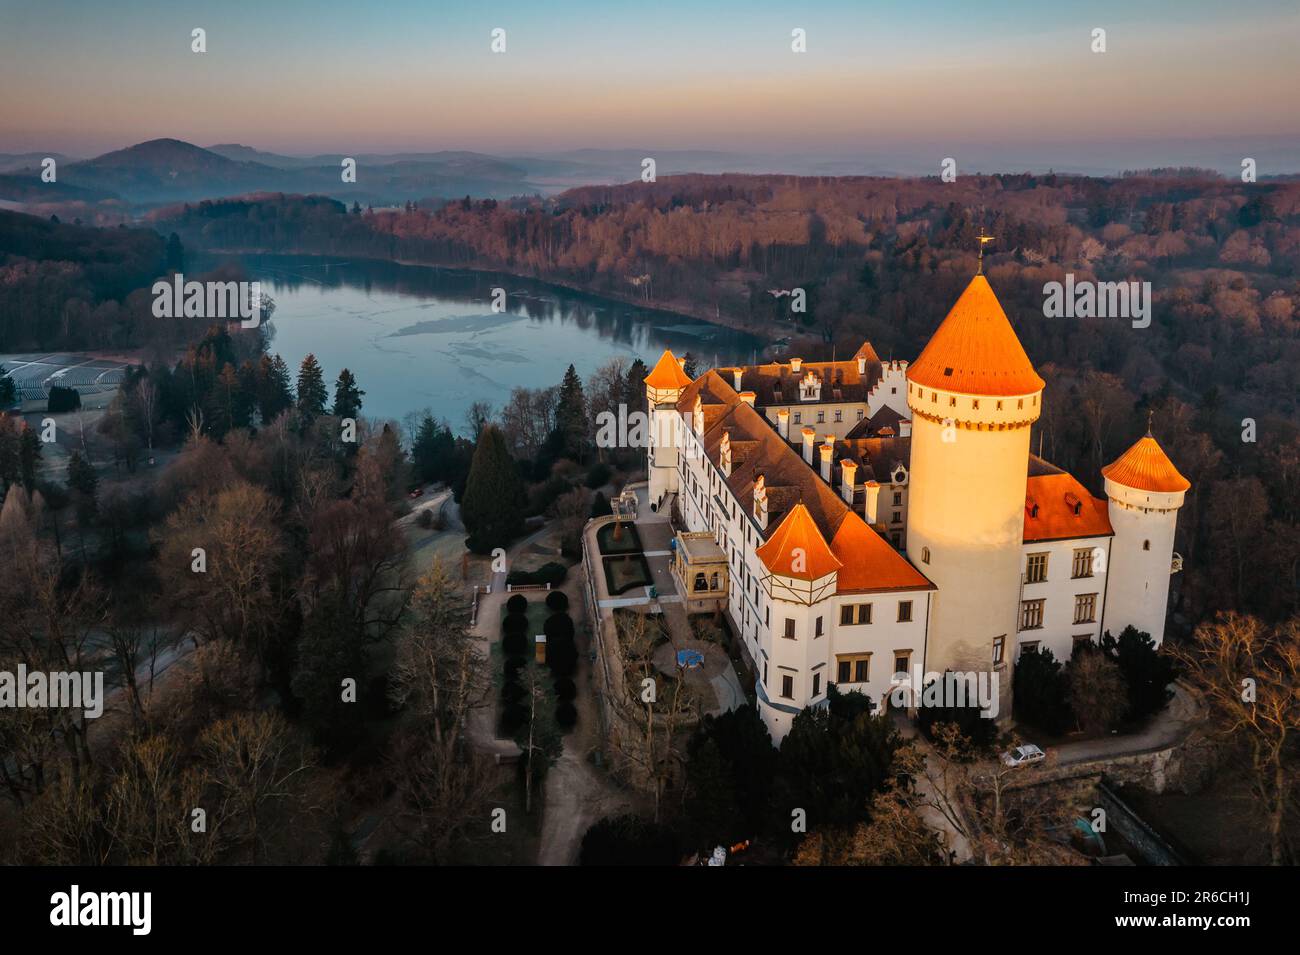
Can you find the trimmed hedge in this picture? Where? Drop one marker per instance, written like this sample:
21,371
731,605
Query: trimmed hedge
514,623
551,573
517,603
557,601
515,644
565,688
566,714
558,628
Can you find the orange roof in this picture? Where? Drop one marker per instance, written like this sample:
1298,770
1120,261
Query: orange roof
667,374
975,351
1147,468
869,562
1051,502
798,532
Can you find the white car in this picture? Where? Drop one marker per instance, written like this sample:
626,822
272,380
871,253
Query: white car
1023,755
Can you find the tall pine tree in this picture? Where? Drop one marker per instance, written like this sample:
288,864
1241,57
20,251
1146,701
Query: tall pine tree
311,389
574,438
493,505
347,396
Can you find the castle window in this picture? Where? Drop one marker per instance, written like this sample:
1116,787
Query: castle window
1036,569
817,685
798,417
854,614
787,686
905,611
1031,614
839,414
898,517
999,406
859,414
853,668
1082,566
898,498
934,396
975,403
952,402
999,647
902,660
789,628
821,417
701,583
1020,403
1146,545
1085,608
925,555
817,632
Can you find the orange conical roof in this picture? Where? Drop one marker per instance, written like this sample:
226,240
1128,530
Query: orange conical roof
1146,467
797,548
975,351
667,373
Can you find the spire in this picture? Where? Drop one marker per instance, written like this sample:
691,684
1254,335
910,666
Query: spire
797,549
667,374
975,350
1146,467
983,240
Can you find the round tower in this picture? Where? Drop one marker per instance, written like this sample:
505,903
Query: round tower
974,395
1144,492
663,388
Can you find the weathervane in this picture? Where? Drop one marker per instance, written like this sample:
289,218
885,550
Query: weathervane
983,240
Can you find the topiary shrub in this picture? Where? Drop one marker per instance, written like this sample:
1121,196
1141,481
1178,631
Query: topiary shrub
517,603
557,601
565,688
515,644
513,717
558,628
512,692
629,840
562,659
513,665
514,623
566,714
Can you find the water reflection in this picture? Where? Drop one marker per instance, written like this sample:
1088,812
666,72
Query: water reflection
417,336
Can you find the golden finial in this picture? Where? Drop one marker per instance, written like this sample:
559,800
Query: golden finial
1150,414
983,240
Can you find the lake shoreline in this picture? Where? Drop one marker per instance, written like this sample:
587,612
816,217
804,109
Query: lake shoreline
771,333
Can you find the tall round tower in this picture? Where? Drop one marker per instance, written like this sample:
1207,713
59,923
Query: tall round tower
973,394
663,387
1145,491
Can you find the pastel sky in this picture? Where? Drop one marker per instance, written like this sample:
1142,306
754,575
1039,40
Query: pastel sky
302,76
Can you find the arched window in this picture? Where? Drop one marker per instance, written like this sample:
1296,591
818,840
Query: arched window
925,555
715,583
700,582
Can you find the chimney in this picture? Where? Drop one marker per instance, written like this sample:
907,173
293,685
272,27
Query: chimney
697,415
828,459
748,397
724,454
808,435
783,423
873,502
849,473
862,364
795,365
905,428
735,376
760,502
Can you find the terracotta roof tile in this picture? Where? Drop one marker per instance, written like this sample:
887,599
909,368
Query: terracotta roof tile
1058,507
797,549
870,562
667,373
975,350
1146,467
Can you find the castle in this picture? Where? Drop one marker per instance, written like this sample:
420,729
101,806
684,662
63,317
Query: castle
871,517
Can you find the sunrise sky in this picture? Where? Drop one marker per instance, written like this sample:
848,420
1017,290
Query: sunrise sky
305,76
